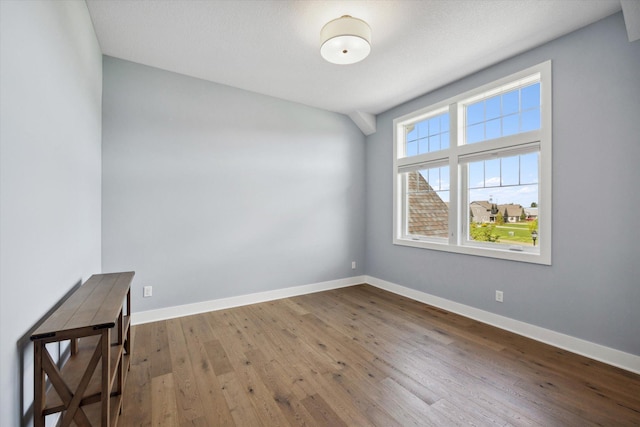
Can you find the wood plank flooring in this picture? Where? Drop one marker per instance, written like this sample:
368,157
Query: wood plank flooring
360,356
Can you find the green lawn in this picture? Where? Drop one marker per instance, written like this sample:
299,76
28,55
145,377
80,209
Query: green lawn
521,233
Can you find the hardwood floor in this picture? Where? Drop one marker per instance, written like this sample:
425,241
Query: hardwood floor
361,356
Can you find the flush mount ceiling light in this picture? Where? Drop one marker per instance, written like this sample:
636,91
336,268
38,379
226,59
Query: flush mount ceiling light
345,40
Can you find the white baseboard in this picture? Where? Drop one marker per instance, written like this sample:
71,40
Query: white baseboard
610,356
220,304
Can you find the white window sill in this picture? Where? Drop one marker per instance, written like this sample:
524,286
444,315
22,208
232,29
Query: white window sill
524,255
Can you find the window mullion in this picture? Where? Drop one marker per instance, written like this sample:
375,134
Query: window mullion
454,219
462,172
405,205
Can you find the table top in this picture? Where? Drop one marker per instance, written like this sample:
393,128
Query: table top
95,304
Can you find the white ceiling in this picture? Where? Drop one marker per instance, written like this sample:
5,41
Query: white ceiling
272,46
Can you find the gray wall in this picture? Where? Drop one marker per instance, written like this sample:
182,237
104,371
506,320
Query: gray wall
592,289
211,191
51,86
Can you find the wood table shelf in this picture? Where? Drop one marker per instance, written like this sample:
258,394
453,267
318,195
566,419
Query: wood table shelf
87,388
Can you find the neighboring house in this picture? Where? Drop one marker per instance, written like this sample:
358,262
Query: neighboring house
511,212
428,214
483,211
531,213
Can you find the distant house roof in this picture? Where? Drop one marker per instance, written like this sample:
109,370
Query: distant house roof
428,214
512,210
483,203
481,210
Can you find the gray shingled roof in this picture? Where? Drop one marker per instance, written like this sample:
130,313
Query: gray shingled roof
512,210
428,214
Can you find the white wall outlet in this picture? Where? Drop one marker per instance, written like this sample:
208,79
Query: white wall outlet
353,265
147,291
499,296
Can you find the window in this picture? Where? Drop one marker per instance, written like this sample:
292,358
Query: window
472,174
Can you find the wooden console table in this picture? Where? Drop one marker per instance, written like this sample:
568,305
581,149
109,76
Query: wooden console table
88,389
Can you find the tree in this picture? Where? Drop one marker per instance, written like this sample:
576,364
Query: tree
533,225
523,215
534,205
500,219
483,232
505,216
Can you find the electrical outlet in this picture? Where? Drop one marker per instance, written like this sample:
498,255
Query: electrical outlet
147,291
499,296
353,265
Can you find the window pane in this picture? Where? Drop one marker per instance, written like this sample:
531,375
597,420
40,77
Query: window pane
476,175
531,120
492,108
444,183
510,125
529,168
475,113
444,141
427,209
444,123
412,148
422,182
423,129
412,133
434,126
434,178
475,133
492,129
530,96
510,171
430,134
502,213
492,173
434,143
510,102
423,145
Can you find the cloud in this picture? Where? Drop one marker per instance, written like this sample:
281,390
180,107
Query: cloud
528,189
522,195
492,182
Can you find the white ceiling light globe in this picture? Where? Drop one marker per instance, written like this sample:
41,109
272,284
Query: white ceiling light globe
345,40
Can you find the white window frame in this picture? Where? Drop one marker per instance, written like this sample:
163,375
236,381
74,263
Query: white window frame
459,153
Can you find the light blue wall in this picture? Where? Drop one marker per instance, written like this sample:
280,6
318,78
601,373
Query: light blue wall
211,192
592,290
51,88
